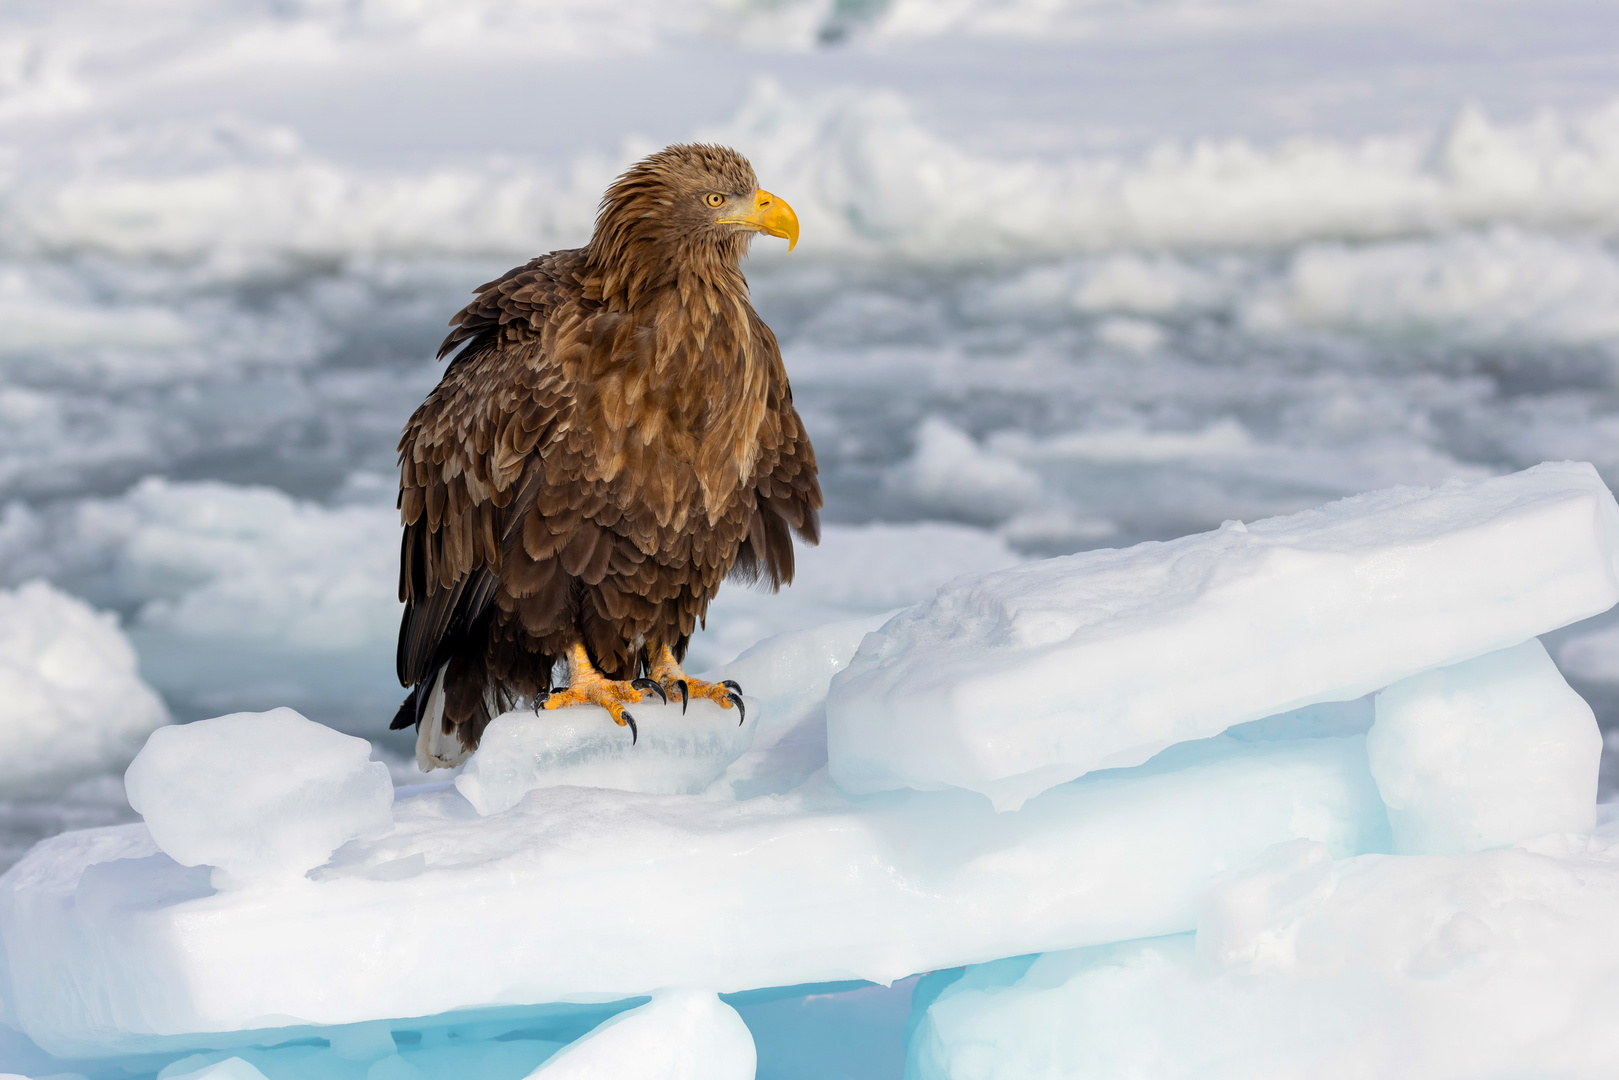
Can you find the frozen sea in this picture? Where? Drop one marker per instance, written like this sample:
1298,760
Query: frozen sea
1072,275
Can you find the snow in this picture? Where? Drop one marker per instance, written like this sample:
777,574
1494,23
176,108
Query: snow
1007,684
261,797
72,703
1485,754
675,753
590,895
1498,963
678,1035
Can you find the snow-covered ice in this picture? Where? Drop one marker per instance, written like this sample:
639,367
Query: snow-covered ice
675,753
72,703
589,895
261,797
678,1035
1008,683
1485,753
1499,963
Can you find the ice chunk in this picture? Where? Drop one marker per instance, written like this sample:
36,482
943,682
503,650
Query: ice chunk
1011,682
247,595
678,1035
786,678
855,571
230,1069
674,753
71,701
260,796
589,895
1501,963
781,743
1484,754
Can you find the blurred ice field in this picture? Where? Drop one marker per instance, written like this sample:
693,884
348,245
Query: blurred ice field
1071,276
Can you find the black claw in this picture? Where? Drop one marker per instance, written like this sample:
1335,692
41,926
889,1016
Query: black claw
540,699
732,684
630,720
685,695
648,684
736,699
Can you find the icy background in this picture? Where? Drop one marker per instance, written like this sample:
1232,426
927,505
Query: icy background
1072,274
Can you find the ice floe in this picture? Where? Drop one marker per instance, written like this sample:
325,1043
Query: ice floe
588,894
1009,683
1499,963
72,703
1485,754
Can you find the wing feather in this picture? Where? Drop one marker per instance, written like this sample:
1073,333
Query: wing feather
467,479
786,487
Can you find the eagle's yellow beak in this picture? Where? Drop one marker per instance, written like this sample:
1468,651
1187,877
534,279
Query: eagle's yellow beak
772,215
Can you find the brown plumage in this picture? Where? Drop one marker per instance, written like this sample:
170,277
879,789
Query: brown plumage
615,437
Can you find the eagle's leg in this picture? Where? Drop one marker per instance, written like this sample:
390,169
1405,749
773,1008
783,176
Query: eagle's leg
666,672
587,686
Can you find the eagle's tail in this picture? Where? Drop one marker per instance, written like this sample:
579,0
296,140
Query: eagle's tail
425,709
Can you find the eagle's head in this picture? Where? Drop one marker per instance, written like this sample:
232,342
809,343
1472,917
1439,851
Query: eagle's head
691,204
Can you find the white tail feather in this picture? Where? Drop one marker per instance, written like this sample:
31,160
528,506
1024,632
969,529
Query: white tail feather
435,749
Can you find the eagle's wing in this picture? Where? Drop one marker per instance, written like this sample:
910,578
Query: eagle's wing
787,493
466,478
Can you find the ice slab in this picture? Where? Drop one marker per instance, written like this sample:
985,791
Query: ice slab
1008,683
1501,963
72,703
259,796
580,895
675,752
678,1035
1484,754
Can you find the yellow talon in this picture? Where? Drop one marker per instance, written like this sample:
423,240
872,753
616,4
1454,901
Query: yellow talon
666,671
587,686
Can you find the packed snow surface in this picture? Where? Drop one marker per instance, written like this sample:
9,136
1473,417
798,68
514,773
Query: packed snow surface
1499,963
1009,683
1484,754
678,1035
72,703
258,796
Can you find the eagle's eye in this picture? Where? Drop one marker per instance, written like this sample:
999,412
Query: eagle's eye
714,199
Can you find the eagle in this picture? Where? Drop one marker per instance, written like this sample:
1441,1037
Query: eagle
614,437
